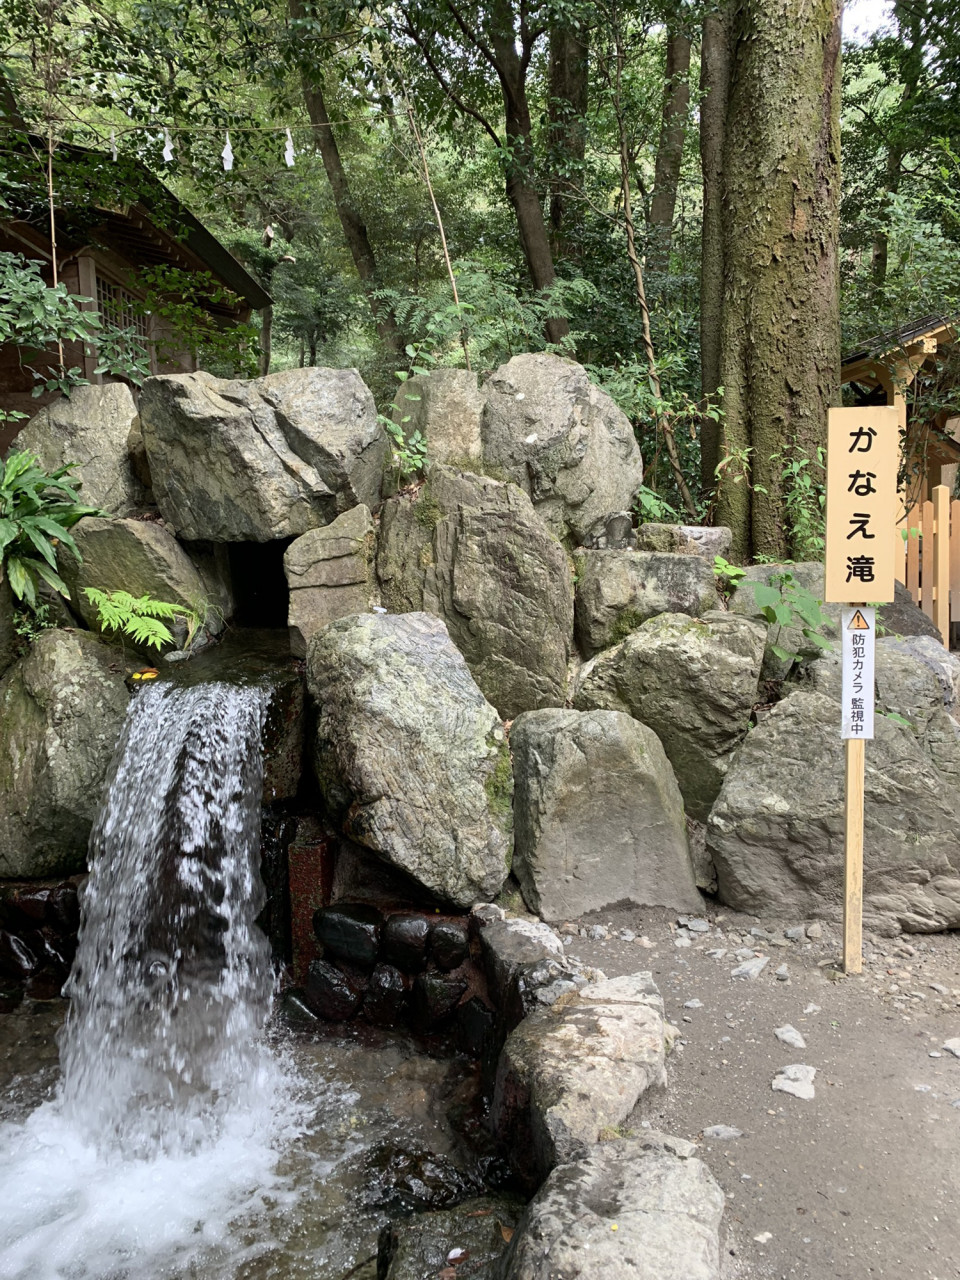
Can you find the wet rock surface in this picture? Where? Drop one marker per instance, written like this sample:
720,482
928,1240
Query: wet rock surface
350,933
468,1239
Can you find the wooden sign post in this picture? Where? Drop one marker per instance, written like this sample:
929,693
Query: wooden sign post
863,448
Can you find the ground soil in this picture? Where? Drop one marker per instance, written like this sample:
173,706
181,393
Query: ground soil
863,1180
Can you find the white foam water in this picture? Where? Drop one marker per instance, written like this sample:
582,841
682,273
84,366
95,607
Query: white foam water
165,1130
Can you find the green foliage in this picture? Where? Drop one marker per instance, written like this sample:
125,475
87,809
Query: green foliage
181,300
30,623
37,508
784,602
729,576
804,498
140,617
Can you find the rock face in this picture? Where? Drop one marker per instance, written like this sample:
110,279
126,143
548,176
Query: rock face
61,709
598,815
411,753
547,428
445,406
568,1073
145,559
250,461
411,1248
694,682
903,617
473,552
8,636
686,539
809,575
665,1203
620,590
330,573
776,832
92,428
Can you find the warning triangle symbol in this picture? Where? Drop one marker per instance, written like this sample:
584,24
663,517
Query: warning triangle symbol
858,623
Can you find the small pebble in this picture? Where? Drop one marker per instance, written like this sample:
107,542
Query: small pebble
717,954
750,968
763,1237
597,932
745,953
940,989
783,974
794,934
815,930
797,1080
791,1036
694,924
934,1054
627,935
722,1133
694,1004
682,942
812,1008
952,1046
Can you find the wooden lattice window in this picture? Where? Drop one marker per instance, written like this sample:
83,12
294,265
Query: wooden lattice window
119,307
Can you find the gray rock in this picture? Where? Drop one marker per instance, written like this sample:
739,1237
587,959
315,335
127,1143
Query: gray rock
615,533
751,968
445,406
519,958
904,617
796,1080
620,590
251,461
474,552
930,652
143,558
809,575
61,710
815,931
92,428
722,1133
468,1238
794,934
782,973
566,1074
953,1046
8,635
664,1202
776,831
791,1036
598,933
330,575
598,815
694,682
411,754
547,428
693,1004
694,924
686,539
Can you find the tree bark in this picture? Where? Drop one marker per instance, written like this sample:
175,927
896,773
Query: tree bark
714,84
779,356
354,228
673,130
569,66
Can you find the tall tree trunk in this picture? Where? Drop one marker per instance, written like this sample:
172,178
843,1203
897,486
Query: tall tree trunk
569,66
354,228
714,85
911,68
779,358
673,129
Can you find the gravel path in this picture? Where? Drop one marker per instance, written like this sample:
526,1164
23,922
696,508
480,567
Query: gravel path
863,1179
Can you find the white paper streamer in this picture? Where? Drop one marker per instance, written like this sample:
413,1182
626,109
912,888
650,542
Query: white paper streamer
167,146
227,154
288,151
113,144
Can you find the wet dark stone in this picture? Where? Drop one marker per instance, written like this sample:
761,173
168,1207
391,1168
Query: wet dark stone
350,932
412,1248
329,993
401,1181
65,907
434,999
46,985
449,944
33,901
295,1009
17,959
476,1029
10,998
405,942
386,1000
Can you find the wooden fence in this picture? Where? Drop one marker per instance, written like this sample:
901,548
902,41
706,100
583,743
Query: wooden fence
928,558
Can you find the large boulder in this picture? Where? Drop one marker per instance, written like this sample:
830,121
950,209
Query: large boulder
598,816
474,552
789,637
143,558
330,573
93,429
686,539
547,428
8,634
572,1071
904,617
694,681
620,590
61,710
663,1201
776,831
251,461
445,407
411,754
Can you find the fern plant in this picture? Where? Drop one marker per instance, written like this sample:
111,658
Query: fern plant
37,508
140,617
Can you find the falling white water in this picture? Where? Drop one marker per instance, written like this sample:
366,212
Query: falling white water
164,1124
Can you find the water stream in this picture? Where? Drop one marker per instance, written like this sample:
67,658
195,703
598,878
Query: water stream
180,1135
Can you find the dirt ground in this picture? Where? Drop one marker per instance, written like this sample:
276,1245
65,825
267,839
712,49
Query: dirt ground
864,1179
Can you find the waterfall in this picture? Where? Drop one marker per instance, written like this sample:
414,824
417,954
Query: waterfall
171,983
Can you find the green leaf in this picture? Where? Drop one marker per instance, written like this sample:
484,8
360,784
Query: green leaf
21,581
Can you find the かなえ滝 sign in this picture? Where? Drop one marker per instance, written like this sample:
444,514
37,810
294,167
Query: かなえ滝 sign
863,447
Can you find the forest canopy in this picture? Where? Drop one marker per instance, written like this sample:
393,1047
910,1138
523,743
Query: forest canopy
450,183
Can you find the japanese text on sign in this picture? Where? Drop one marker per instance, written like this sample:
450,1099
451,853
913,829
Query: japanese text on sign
858,634
862,453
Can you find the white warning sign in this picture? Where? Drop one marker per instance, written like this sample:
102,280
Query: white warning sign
858,639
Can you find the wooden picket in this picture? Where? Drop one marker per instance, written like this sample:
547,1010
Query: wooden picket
928,561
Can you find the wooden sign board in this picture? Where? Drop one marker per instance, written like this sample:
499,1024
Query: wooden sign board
863,451
858,633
